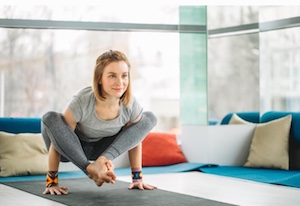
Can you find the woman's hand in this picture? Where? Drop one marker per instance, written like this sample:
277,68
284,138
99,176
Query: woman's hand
56,190
109,165
101,170
140,185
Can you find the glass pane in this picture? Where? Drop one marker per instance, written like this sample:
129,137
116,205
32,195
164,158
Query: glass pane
193,68
228,16
233,75
106,12
271,13
280,73
41,69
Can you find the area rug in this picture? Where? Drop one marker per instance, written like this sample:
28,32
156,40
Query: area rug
289,178
83,191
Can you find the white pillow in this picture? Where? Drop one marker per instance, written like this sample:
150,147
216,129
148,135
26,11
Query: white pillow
235,119
269,146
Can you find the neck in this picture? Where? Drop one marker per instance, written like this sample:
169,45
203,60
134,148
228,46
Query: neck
108,102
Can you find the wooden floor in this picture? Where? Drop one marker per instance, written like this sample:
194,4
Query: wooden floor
223,189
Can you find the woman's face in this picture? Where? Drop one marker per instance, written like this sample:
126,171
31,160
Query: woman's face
115,79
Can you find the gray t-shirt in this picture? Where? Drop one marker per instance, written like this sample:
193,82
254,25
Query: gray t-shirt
89,126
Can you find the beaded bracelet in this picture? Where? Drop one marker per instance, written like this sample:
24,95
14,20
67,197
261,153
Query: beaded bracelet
51,178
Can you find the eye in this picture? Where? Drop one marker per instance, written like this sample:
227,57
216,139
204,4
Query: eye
124,76
112,76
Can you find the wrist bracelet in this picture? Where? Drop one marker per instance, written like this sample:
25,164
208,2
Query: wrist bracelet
51,178
136,176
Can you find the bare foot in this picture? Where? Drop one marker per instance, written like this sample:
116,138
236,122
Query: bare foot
101,171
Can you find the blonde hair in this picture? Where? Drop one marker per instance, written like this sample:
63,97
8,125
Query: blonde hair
102,61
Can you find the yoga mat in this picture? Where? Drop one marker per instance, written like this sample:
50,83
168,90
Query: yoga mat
83,191
273,176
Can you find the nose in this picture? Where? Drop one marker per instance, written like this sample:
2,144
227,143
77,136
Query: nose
119,80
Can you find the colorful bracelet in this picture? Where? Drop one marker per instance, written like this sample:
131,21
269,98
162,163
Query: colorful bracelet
51,178
136,176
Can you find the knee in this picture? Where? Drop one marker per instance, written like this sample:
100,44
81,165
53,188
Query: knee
151,118
50,117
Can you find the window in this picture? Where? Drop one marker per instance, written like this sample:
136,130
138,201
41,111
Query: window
49,53
253,59
233,62
280,70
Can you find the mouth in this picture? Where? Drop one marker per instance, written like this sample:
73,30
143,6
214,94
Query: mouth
118,89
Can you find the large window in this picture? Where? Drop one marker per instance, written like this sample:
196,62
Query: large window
41,68
253,59
48,53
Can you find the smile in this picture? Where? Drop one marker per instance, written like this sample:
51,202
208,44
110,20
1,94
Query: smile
117,89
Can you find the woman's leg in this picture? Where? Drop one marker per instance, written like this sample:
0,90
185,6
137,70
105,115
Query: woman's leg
131,136
128,138
56,131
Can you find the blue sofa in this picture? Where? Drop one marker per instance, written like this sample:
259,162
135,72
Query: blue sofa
20,125
33,125
288,178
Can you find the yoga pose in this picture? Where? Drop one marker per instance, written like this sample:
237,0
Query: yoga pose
100,123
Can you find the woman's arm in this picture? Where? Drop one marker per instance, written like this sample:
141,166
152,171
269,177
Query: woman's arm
135,158
69,118
135,154
54,160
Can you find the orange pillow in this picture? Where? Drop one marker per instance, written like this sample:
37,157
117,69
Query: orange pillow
160,149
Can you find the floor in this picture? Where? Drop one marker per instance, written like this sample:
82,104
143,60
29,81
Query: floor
223,189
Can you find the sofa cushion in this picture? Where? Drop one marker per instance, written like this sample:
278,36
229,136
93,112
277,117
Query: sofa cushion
295,131
235,119
269,146
248,116
294,143
20,125
160,149
22,154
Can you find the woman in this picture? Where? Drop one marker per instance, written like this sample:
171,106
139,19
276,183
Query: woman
100,123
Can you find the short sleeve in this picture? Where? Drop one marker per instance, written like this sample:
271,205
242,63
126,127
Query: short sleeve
76,108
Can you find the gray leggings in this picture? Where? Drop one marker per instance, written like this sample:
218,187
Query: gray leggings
66,142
